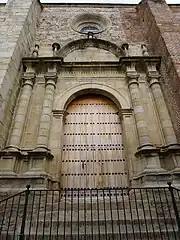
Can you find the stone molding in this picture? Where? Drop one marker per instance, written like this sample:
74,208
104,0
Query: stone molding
41,64
90,42
132,77
59,113
28,78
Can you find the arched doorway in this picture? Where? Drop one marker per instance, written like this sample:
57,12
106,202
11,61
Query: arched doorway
93,144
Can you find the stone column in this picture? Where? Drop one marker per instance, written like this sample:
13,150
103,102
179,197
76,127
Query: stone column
167,127
45,120
22,109
173,148
147,154
141,124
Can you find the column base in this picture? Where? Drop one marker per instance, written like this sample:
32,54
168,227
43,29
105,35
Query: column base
171,157
152,179
174,147
13,184
36,172
42,149
9,162
12,148
39,162
149,171
150,161
146,147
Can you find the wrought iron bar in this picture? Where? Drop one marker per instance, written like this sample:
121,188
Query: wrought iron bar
21,236
144,214
99,231
45,206
137,213
124,210
174,205
163,213
17,213
106,213
92,229
32,210
64,214
78,211
52,205
112,222
58,214
84,214
118,216
150,213
157,215
131,214
10,215
170,214
38,212
71,193
105,223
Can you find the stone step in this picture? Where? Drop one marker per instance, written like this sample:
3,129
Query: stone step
103,236
101,214
80,226
107,204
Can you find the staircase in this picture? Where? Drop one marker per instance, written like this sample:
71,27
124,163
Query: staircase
97,214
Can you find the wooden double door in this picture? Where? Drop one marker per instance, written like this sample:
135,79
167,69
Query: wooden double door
93,145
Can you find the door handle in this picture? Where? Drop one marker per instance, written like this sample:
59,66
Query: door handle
83,164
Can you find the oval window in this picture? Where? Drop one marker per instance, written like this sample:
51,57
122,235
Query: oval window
88,29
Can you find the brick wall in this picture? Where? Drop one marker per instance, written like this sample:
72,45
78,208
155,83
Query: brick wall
161,29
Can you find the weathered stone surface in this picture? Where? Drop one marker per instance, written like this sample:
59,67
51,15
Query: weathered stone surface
33,117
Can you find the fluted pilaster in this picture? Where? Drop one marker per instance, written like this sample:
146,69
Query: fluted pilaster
15,139
167,127
45,120
141,124
147,154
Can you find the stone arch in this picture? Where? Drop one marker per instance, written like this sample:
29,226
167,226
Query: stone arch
62,101
91,42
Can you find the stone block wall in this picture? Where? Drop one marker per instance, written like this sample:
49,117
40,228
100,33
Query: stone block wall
19,20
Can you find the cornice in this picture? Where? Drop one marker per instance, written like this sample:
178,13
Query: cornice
42,59
142,59
41,63
108,5
122,60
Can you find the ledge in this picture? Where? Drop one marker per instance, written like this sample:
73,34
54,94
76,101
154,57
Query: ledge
140,59
122,60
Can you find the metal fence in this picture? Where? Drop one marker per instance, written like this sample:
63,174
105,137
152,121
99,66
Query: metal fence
108,213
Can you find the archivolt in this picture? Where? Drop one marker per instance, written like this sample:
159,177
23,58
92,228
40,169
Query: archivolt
91,42
62,101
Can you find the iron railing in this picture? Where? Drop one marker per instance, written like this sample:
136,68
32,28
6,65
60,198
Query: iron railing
108,213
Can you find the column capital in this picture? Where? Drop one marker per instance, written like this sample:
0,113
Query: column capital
126,112
51,78
28,78
132,77
153,77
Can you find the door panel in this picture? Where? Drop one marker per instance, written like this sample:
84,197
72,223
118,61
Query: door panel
93,147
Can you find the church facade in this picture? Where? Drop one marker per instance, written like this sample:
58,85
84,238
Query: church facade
89,95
